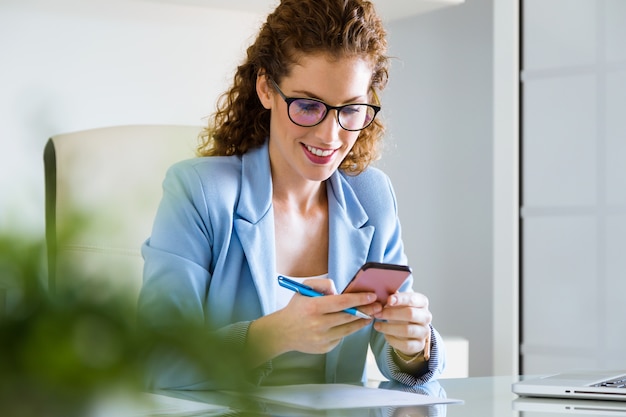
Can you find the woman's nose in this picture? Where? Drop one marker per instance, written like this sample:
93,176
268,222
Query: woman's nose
330,125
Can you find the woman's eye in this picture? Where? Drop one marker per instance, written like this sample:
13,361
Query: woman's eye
349,110
307,106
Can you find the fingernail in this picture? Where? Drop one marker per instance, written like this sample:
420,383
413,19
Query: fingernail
393,300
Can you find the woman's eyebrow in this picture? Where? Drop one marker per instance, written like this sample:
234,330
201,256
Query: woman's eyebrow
304,93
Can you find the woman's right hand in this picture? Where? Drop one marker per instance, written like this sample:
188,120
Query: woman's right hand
310,324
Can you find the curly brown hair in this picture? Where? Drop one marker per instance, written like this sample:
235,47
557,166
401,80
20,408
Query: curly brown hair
337,28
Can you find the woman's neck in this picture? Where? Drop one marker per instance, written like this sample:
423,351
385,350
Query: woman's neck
303,197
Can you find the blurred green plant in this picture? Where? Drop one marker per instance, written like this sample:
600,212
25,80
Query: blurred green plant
60,353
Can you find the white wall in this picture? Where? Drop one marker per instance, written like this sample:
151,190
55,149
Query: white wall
439,111
68,65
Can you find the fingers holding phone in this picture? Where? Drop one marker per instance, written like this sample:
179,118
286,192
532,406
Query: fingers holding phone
405,322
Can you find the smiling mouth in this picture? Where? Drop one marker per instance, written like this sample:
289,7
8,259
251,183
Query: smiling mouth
319,152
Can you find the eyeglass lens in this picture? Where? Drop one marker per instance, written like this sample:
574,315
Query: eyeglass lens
307,112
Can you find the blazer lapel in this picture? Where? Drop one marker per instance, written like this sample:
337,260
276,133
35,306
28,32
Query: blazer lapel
254,224
350,237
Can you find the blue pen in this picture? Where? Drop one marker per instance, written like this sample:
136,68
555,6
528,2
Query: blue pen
310,292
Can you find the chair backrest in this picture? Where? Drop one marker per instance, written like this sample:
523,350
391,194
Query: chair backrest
103,187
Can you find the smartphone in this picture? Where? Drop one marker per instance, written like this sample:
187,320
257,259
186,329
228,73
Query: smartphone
382,278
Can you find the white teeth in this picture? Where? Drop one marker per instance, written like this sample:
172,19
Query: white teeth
319,152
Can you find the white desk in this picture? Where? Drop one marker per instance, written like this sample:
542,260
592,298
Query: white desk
483,397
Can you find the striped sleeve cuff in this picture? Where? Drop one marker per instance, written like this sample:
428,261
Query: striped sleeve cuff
435,364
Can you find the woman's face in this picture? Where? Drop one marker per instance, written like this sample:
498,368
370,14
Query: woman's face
313,153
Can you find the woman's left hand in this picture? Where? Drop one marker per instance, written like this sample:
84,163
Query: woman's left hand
406,324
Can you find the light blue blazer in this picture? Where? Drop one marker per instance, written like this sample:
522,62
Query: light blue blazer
211,258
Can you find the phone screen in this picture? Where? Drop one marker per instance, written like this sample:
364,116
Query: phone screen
382,278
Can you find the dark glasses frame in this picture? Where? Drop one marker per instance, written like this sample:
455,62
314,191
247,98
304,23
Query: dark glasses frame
290,100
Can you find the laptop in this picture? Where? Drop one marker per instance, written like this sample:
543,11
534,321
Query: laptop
594,385
532,406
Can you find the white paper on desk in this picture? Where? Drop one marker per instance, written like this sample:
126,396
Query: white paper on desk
341,396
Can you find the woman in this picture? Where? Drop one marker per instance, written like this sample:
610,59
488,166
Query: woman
283,187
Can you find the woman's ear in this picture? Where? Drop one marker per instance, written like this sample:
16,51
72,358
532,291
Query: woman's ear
263,90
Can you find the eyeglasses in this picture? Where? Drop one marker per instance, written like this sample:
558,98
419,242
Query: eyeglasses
309,112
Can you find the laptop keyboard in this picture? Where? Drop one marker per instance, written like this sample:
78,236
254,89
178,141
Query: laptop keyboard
619,382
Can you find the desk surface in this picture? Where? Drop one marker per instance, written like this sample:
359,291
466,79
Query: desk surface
483,396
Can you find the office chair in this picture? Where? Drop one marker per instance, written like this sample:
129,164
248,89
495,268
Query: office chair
102,190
